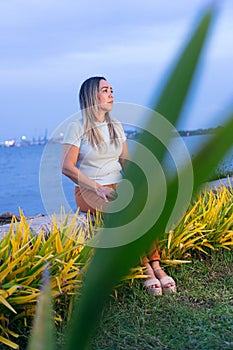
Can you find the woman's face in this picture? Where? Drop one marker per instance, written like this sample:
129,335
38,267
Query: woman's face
105,95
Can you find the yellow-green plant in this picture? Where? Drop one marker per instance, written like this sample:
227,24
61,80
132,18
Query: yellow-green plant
23,257
207,225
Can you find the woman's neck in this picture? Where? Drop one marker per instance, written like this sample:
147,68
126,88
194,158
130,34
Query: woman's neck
100,117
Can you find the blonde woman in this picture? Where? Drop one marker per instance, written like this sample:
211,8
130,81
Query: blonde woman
94,147
94,152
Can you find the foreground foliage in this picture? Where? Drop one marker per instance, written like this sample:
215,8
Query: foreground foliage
111,264
207,225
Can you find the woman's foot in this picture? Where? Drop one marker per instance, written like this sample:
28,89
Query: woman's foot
152,284
167,283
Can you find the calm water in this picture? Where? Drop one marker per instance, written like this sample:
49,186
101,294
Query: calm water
20,169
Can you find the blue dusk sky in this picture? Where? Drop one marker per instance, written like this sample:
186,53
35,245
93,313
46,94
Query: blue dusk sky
48,48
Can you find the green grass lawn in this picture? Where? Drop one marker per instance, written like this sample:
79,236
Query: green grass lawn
199,316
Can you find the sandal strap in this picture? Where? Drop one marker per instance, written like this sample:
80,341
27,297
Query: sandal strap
152,281
166,280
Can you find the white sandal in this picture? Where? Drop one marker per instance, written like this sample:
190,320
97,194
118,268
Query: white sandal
166,280
149,282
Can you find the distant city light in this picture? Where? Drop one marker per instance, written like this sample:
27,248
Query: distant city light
9,143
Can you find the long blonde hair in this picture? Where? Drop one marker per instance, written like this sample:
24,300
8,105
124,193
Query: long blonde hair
89,106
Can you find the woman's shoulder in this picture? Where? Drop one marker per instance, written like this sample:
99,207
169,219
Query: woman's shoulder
119,128
77,121
116,121
76,124
74,131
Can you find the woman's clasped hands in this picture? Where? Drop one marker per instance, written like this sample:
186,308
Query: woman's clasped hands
107,193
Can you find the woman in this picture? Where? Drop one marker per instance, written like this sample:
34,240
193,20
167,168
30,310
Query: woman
94,151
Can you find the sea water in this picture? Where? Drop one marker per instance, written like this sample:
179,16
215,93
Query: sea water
20,170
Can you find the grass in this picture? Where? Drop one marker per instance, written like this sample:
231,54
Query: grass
199,316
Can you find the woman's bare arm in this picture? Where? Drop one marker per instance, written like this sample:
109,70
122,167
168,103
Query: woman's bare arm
70,155
125,155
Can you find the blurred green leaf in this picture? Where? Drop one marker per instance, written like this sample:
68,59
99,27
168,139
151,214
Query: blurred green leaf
210,155
172,98
109,265
43,336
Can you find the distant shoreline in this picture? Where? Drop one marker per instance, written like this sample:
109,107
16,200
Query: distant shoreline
130,133
209,131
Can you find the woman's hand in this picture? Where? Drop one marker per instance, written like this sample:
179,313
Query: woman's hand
106,193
